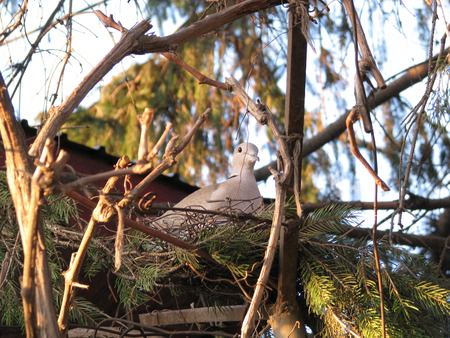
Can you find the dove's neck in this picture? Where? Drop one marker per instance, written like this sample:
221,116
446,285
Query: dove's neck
241,170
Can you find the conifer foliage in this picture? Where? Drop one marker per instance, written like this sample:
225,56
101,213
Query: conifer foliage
336,274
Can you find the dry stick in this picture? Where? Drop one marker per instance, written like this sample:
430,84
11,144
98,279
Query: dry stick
169,160
158,145
352,117
202,79
264,116
146,230
146,120
248,322
102,213
118,243
363,45
79,183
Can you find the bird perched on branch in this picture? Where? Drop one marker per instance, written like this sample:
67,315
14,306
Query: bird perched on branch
239,193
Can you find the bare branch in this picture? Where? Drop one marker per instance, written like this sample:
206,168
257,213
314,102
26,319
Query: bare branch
11,28
158,145
354,148
414,202
210,23
146,120
363,45
34,46
102,212
146,230
202,79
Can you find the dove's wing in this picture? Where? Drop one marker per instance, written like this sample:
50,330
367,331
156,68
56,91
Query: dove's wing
239,193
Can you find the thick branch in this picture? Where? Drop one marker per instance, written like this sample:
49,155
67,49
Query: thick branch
286,318
210,23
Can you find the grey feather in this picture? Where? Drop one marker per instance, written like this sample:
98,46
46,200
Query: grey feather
239,193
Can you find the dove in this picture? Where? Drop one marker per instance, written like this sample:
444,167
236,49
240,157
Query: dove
239,193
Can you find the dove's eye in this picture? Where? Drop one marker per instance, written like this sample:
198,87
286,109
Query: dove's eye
240,150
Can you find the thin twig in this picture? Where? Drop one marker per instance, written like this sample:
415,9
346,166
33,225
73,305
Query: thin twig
146,120
419,110
363,44
202,79
11,28
169,160
24,64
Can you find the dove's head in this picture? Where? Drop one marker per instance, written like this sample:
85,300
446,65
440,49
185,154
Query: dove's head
245,156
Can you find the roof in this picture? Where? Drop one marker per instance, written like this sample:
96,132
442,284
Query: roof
88,161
